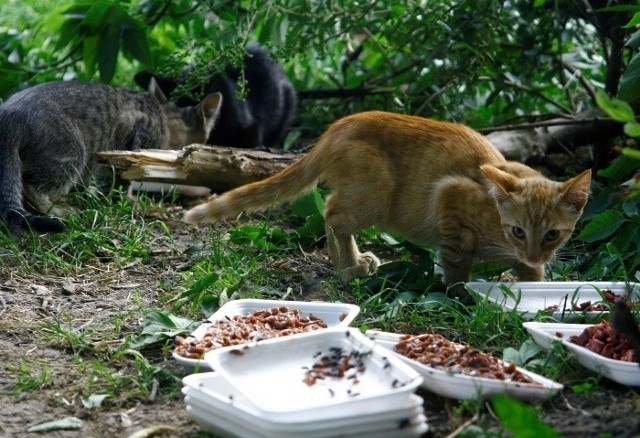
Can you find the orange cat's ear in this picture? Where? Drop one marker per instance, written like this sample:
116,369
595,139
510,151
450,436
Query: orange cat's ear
576,191
504,183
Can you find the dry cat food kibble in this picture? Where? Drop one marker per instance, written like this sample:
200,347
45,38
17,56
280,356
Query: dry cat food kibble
437,352
241,329
602,339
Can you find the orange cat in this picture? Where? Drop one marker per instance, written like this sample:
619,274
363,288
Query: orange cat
433,182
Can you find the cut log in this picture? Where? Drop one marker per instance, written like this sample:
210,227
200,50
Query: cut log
218,168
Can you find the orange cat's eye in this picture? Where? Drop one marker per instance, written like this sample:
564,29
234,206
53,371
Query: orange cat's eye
518,233
551,235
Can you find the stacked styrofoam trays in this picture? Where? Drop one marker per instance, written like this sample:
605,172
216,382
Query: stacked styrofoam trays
264,390
333,314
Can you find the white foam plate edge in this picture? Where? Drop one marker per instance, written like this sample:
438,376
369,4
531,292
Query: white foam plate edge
222,426
464,387
626,373
212,390
550,293
320,429
329,312
262,371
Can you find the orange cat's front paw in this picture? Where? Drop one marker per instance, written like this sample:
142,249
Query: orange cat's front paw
367,264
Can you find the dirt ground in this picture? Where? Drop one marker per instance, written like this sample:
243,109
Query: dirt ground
101,293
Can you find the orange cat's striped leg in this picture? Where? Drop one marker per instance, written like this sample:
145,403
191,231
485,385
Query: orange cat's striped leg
348,260
456,264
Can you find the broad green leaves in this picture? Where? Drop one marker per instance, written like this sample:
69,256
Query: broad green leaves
100,30
630,82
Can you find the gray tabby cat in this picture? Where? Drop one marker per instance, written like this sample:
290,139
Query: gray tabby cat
49,135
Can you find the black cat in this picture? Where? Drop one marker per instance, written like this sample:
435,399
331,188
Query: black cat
262,119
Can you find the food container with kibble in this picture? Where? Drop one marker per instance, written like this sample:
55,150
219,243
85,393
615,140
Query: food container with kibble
595,346
248,321
459,371
561,300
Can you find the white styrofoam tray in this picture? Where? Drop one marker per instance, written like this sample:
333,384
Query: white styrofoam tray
271,374
464,387
626,373
333,314
236,428
530,297
211,391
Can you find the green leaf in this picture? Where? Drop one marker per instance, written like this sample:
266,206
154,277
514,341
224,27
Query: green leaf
632,129
615,108
635,20
90,54
136,44
98,14
310,204
521,420
602,226
632,153
634,40
108,49
206,281
312,228
621,168
630,83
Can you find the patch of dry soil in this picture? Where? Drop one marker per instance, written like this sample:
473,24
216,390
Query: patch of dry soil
99,293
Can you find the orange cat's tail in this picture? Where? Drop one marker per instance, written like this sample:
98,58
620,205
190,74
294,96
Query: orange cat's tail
288,184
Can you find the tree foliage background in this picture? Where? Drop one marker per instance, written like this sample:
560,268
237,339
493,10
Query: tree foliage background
481,62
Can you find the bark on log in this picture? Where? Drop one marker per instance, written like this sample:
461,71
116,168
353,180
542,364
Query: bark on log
215,167
589,127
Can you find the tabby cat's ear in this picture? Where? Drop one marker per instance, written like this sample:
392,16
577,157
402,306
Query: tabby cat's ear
503,182
155,91
576,191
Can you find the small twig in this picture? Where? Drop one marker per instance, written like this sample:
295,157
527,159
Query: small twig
155,385
463,426
578,75
566,402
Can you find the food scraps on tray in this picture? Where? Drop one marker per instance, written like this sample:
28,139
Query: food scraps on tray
251,327
608,298
436,351
602,339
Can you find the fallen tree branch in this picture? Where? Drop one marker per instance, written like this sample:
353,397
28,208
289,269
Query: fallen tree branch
218,168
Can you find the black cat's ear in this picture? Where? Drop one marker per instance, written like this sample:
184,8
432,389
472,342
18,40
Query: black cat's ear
155,91
143,79
210,107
